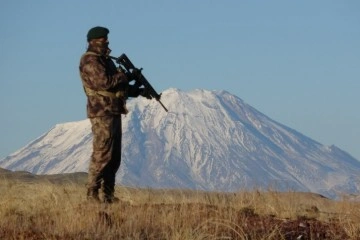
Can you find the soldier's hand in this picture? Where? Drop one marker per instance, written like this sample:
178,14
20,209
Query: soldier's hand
136,73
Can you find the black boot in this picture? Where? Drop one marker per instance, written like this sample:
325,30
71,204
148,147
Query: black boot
109,195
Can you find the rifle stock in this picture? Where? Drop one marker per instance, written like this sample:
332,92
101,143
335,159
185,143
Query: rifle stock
125,62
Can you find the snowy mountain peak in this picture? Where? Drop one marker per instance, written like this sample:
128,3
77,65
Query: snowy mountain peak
209,140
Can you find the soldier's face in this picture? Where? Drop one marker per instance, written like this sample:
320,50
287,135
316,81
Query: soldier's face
104,40
101,43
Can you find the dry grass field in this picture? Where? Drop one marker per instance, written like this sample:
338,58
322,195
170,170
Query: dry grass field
34,208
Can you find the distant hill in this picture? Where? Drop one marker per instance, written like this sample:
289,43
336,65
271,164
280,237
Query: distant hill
22,176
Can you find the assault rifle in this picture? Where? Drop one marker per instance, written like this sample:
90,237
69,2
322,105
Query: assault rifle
125,62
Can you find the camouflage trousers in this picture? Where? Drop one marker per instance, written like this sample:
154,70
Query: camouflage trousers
106,155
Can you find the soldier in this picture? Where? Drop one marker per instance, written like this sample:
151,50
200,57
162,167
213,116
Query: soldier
107,89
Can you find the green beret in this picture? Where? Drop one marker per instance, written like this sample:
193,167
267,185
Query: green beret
97,32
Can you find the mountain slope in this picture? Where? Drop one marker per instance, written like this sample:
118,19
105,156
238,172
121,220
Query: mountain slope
210,140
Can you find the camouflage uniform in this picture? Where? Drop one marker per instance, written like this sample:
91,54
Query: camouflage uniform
107,89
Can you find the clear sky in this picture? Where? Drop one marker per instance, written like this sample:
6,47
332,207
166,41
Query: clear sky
296,61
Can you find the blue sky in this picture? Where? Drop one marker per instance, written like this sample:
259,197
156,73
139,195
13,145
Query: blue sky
295,61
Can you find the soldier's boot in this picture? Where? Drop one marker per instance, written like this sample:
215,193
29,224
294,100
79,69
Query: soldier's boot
109,195
111,199
93,195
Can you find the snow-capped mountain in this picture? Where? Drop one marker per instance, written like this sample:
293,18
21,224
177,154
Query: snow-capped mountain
209,140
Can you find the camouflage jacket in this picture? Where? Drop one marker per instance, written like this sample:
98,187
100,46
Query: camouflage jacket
100,75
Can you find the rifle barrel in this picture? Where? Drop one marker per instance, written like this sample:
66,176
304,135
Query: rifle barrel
163,105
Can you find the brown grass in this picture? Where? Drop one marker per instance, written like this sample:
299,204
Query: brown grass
41,210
